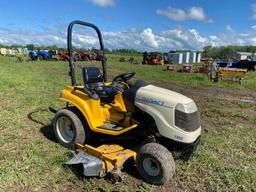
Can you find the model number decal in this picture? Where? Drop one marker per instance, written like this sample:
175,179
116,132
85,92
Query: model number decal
178,137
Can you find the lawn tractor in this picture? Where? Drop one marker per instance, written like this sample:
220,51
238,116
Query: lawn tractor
78,56
153,58
41,55
86,56
114,124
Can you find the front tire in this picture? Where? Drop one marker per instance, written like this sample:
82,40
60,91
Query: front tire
155,163
69,128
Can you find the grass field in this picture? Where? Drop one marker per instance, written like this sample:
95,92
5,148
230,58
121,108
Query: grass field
31,160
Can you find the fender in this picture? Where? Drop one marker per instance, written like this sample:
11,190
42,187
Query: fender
91,109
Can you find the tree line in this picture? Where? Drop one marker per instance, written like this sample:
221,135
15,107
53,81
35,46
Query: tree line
222,52
226,52
55,47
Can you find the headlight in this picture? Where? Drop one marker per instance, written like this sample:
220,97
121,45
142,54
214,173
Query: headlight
186,117
186,108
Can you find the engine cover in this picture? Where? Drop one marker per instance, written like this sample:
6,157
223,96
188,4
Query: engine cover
175,115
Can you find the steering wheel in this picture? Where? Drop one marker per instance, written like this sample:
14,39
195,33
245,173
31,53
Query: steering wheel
124,76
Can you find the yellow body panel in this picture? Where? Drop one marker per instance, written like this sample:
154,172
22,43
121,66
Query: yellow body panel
113,156
95,113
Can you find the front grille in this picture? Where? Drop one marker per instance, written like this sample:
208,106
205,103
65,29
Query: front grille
187,121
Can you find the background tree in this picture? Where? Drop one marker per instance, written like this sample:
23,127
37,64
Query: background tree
30,47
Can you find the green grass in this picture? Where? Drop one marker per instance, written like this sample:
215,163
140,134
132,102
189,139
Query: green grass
31,161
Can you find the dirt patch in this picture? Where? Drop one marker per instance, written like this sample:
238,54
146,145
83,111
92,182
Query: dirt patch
243,95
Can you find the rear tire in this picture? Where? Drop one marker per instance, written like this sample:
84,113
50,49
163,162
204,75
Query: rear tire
70,128
155,163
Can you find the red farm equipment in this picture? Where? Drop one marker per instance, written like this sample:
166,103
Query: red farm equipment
63,56
93,55
97,54
87,55
187,68
171,68
152,58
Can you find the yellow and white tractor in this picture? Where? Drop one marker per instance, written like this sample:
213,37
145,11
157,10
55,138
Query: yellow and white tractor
111,123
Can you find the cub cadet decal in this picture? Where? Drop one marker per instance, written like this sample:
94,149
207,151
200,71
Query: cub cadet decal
152,101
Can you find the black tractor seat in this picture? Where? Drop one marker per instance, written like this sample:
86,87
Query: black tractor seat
95,87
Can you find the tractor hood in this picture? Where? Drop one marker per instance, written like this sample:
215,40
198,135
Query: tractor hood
159,96
175,115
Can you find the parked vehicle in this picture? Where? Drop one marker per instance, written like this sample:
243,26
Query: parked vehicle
246,64
152,58
149,118
63,56
41,55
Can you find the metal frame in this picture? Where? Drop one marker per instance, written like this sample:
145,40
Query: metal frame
70,50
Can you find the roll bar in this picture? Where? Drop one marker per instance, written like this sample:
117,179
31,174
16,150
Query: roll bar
70,50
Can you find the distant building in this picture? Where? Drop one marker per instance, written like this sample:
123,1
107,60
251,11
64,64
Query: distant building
185,57
192,58
198,57
176,57
23,51
241,55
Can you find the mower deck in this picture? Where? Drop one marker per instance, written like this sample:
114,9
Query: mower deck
103,159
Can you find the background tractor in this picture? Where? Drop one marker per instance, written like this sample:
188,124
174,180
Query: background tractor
63,56
152,58
41,55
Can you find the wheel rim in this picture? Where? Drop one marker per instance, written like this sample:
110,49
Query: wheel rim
65,129
151,166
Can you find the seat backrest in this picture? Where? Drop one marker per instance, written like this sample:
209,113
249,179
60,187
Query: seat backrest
91,75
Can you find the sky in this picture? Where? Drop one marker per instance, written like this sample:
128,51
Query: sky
143,25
